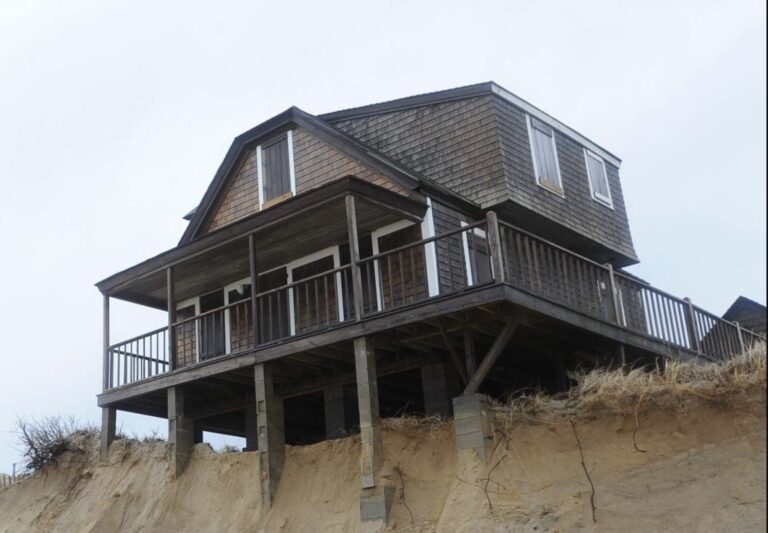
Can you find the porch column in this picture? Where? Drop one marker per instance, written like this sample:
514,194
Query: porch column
354,257
335,412
494,243
439,386
108,429
107,379
180,432
253,267
271,429
171,299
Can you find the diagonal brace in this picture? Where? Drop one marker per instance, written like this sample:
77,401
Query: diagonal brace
454,354
493,354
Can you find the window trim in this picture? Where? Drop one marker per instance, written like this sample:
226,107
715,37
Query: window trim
291,173
477,232
599,198
559,191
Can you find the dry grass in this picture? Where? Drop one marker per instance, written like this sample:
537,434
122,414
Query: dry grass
623,391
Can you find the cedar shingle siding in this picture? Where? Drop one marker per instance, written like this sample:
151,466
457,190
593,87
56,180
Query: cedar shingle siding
479,148
578,210
454,144
316,163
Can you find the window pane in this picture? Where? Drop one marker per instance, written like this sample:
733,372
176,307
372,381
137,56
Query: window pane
544,151
276,172
597,177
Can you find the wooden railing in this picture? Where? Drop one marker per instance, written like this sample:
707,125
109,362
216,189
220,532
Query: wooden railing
485,252
574,281
137,359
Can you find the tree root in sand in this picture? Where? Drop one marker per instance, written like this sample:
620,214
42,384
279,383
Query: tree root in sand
402,490
637,429
586,472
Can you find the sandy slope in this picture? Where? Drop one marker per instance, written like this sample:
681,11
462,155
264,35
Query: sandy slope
703,469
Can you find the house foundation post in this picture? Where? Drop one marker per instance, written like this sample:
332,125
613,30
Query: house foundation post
271,433
180,433
472,423
251,428
334,401
374,498
439,386
108,430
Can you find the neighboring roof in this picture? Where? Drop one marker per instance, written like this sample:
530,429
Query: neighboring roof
748,313
470,91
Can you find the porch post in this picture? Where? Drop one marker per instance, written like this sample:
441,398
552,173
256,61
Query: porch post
171,299
107,363
271,427
614,295
180,432
354,257
334,404
690,325
254,276
108,430
494,243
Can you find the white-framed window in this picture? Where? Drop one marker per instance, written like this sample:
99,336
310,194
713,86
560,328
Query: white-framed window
544,152
598,178
275,170
477,262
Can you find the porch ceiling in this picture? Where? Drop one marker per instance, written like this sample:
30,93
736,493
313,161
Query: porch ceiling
302,230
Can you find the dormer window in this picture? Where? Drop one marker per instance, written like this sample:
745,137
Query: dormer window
598,178
544,152
276,176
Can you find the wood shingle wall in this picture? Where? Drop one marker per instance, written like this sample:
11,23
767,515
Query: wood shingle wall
577,210
316,163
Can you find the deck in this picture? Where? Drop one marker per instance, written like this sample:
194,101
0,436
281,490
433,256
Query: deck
490,272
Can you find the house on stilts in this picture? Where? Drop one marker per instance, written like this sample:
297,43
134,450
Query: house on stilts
418,255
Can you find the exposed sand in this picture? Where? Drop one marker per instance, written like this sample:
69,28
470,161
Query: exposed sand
703,468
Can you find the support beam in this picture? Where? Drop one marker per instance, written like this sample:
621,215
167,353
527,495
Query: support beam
368,404
354,257
180,432
458,363
335,412
108,430
469,351
493,354
251,427
439,386
271,428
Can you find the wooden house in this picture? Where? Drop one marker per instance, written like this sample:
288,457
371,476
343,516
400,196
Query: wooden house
416,255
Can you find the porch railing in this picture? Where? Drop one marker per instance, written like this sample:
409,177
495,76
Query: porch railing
481,253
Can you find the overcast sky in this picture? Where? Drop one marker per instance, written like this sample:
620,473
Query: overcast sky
115,115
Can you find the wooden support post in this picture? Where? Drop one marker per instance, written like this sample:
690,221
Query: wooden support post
334,404
493,354
180,432
469,351
614,296
171,299
457,362
439,385
368,404
108,430
690,325
269,413
354,257
742,344
494,243
251,428
254,277
107,383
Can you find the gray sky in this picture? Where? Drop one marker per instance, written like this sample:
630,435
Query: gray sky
115,115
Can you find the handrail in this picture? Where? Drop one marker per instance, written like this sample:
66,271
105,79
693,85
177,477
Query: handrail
428,240
138,337
304,280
